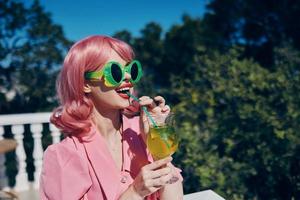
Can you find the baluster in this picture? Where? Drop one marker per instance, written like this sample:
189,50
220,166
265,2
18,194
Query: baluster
3,178
55,134
1,132
36,130
21,178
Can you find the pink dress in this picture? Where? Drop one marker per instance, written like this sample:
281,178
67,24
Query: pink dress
83,168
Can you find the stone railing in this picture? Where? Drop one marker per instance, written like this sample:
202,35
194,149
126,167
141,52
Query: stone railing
17,123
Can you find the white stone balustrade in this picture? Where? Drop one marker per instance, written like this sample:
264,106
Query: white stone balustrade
36,121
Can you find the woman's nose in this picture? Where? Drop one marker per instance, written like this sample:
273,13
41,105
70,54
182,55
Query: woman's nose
127,76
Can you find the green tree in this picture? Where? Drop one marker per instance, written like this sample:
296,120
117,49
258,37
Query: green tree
149,50
32,47
240,126
181,43
260,26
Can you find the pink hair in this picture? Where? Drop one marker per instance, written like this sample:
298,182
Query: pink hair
89,54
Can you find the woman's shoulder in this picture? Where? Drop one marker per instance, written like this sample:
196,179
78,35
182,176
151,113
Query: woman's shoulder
64,164
62,152
67,144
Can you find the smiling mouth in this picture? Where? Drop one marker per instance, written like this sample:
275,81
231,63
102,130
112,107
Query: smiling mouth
123,90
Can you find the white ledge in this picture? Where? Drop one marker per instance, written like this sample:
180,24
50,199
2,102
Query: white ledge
27,118
203,195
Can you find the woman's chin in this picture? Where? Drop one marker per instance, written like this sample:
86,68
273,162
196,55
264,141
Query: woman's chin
123,105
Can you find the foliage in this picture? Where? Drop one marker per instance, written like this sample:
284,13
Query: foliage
240,126
260,26
32,47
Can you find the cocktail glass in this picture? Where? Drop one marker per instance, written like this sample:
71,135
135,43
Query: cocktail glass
162,140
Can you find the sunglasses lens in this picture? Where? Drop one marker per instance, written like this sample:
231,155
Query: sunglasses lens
134,71
116,72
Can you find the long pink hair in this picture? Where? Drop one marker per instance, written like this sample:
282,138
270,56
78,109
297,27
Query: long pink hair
89,54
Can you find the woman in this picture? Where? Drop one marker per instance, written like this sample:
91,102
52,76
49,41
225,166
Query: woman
103,155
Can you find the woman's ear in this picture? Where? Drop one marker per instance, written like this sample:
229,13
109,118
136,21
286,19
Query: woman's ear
87,88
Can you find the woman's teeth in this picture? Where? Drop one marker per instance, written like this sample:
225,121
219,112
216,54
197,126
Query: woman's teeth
123,90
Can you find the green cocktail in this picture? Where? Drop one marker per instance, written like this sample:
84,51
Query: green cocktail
162,140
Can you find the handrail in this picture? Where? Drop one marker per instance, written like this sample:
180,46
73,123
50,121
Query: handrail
27,118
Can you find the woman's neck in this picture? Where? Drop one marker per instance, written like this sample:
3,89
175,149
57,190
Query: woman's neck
107,122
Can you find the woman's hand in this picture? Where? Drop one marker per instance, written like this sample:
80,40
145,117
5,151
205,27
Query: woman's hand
156,106
152,177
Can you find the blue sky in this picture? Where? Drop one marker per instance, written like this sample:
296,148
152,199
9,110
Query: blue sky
82,18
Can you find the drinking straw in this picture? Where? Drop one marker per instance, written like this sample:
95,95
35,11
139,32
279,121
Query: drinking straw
144,109
151,119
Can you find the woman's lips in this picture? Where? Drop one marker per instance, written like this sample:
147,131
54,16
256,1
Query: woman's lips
125,87
124,96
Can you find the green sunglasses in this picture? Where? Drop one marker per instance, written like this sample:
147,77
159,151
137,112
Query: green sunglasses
114,73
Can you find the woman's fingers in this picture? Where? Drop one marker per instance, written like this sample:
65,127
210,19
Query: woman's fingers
156,108
153,176
159,163
160,101
160,172
166,109
147,101
156,102
161,181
